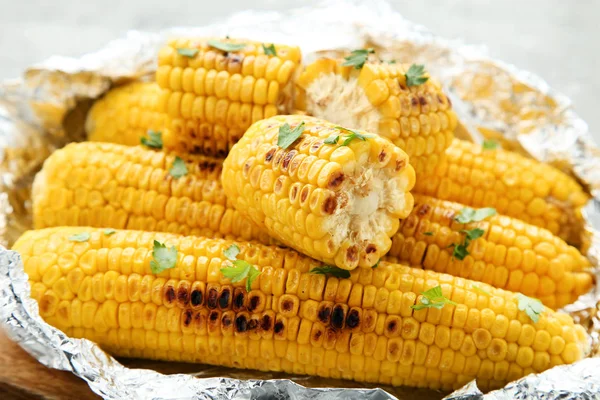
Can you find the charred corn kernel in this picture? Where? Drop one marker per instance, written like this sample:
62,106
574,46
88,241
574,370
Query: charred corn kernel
214,96
208,319
350,213
126,113
515,186
116,186
517,256
376,98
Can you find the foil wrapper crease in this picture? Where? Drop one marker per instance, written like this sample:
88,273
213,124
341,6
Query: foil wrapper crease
46,108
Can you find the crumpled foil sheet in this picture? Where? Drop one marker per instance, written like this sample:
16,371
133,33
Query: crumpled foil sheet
46,108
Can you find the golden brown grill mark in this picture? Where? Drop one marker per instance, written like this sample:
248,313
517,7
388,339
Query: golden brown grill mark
196,298
265,323
324,313
270,154
286,160
336,180
187,317
225,298
329,205
169,294
337,316
211,301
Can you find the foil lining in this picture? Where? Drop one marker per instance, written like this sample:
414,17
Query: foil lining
46,108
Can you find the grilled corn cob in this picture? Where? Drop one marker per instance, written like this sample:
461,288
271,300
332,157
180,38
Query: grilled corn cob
376,98
361,328
337,202
516,186
510,255
126,113
213,96
122,187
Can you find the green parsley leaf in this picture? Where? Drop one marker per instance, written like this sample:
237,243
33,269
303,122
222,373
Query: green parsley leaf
80,237
357,58
269,50
532,307
490,144
329,270
232,252
433,298
164,258
154,140
428,233
473,234
415,75
353,135
333,139
391,61
287,135
241,270
481,290
460,250
109,231
178,169
469,214
226,47
191,53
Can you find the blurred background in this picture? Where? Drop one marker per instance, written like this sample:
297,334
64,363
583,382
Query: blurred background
553,38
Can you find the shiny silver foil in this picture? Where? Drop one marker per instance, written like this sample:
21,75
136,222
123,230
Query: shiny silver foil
46,109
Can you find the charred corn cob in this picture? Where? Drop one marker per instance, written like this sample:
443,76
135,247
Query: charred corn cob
376,98
516,186
116,186
333,194
126,113
362,328
213,96
510,255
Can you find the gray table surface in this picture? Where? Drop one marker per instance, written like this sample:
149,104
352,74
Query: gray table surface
557,39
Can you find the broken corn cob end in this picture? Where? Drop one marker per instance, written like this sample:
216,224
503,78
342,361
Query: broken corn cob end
338,202
376,98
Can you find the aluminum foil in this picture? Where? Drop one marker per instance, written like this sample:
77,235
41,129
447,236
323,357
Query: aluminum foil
46,108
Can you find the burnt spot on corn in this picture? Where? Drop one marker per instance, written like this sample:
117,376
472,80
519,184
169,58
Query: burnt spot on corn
211,301
324,313
278,328
294,193
238,299
253,303
316,146
304,193
422,100
401,163
286,160
252,324
392,327
394,350
414,101
352,253
353,319
196,149
187,318
287,305
241,324
410,222
382,156
422,210
170,294
337,317
247,167
329,205
371,248
183,295
317,335
196,298
424,255
224,299
336,180
265,323
226,320
368,319
278,157
213,316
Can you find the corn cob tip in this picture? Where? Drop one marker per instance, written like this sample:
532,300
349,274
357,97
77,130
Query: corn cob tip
334,194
